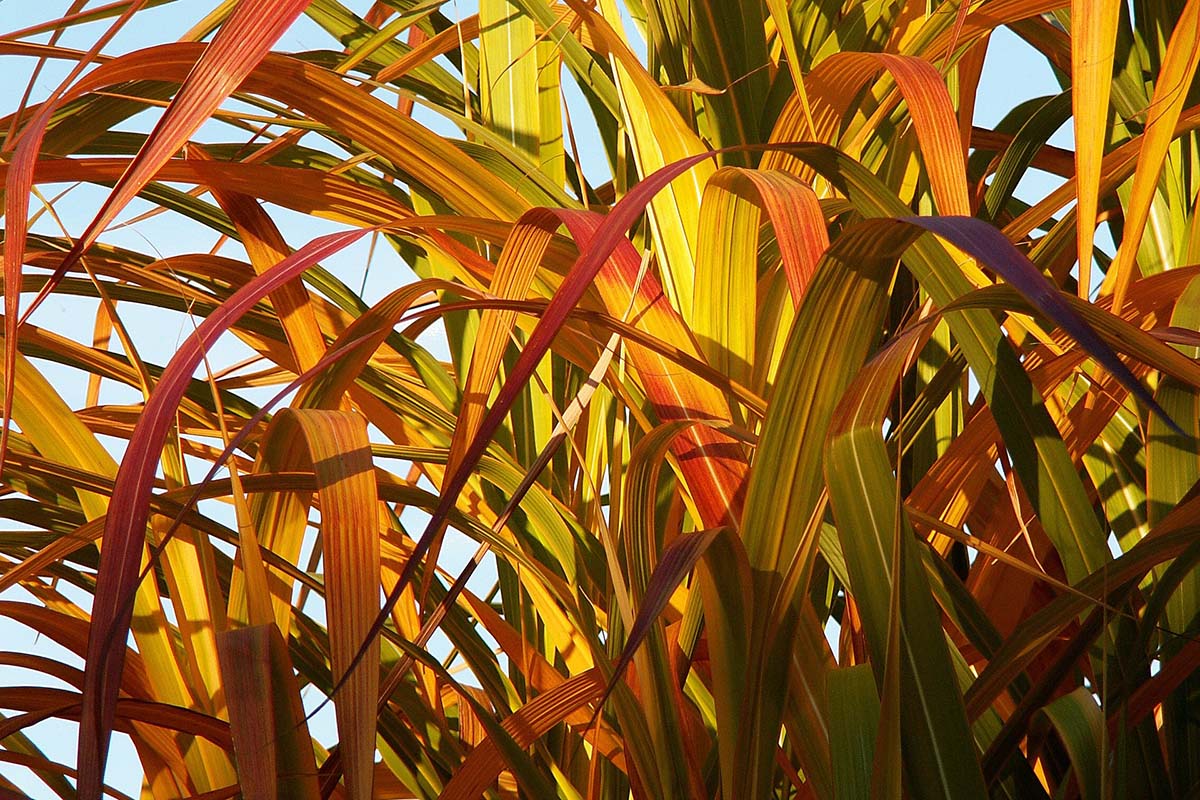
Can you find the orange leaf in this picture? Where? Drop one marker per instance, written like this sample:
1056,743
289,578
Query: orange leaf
526,726
335,444
1094,34
1170,92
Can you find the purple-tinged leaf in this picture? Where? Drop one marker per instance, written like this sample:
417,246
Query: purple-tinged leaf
991,247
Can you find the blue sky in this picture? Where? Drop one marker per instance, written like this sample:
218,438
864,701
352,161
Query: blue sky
1013,73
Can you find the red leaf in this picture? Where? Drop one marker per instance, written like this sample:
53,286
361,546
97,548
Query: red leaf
124,532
